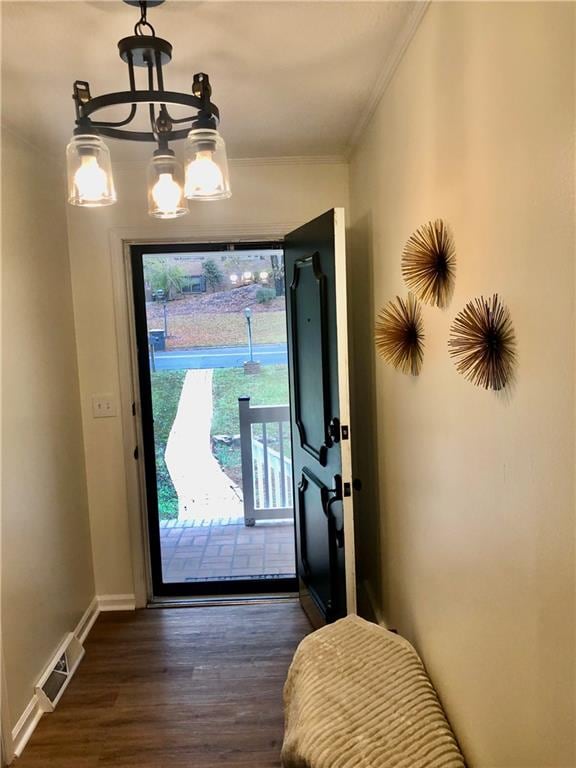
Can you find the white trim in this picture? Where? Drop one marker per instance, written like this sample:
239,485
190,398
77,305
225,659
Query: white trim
295,160
131,433
387,70
199,233
238,162
19,736
120,239
25,726
86,623
344,401
116,603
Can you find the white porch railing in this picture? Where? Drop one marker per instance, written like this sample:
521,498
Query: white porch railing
266,461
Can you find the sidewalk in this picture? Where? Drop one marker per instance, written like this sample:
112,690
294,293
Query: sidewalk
204,491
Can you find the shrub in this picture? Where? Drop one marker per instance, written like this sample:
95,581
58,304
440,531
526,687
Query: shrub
265,295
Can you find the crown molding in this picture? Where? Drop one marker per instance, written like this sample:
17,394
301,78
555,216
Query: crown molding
388,69
290,160
251,162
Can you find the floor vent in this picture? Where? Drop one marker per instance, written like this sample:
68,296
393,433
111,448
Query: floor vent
58,674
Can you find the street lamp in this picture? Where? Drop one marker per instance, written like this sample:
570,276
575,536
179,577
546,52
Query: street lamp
250,366
248,316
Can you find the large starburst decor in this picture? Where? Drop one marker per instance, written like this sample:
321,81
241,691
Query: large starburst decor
399,334
429,263
483,344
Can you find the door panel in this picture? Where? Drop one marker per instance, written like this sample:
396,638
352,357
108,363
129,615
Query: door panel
311,371
315,264
317,539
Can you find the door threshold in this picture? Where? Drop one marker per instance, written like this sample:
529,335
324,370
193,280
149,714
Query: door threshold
208,601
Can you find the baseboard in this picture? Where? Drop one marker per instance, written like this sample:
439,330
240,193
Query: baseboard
25,726
30,718
87,621
116,602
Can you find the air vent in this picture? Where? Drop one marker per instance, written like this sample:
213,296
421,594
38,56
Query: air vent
56,677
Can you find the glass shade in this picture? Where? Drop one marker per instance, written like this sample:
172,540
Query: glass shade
166,187
206,166
90,181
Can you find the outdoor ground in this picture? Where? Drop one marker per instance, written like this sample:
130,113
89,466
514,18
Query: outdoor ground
268,387
217,319
208,550
166,390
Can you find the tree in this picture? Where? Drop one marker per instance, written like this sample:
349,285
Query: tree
164,276
212,274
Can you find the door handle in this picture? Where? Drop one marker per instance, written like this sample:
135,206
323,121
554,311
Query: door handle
335,494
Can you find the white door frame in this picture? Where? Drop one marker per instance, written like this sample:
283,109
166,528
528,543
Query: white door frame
121,238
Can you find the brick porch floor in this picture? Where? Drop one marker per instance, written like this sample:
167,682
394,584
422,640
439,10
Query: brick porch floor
201,551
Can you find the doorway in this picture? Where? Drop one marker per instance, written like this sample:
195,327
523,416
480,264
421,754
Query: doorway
210,325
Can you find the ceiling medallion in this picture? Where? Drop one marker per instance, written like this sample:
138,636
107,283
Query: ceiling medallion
205,173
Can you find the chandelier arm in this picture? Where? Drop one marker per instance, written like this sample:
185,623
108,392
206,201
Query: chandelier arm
151,110
148,97
159,72
131,73
131,116
176,120
133,108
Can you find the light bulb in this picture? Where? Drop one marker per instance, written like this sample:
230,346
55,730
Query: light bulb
167,194
165,186
90,180
89,172
203,176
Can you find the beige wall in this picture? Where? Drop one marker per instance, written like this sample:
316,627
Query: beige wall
47,578
476,515
268,197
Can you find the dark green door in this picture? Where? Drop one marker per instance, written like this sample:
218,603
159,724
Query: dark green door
315,264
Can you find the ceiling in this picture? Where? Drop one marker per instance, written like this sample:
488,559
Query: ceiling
290,78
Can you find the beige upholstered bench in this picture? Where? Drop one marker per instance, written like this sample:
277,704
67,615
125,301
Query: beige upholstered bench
357,696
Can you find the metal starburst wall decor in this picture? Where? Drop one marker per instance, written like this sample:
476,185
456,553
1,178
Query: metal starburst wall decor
399,334
483,344
429,263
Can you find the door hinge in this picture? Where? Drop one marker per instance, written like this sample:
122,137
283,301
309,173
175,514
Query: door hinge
345,432
133,409
136,453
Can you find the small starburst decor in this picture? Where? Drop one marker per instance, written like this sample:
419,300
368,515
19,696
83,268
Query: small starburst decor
483,344
399,334
429,263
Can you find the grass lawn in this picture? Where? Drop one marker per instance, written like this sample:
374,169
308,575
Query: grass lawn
269,387
225,329
166,389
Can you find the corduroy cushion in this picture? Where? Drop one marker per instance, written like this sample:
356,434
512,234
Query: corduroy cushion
357,696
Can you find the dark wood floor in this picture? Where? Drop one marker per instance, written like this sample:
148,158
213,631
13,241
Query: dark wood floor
167,688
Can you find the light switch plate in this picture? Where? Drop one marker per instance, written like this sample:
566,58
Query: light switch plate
103,406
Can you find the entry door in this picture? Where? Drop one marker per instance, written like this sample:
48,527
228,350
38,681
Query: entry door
315,264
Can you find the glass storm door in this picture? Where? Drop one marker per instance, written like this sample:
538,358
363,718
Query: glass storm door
210,326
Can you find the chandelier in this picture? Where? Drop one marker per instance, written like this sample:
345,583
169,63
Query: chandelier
170,186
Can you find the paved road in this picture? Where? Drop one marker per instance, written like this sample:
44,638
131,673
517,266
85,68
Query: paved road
218,357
